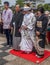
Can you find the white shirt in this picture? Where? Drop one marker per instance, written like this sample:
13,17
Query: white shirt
7,17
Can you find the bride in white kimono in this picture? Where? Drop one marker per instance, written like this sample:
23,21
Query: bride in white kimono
28,31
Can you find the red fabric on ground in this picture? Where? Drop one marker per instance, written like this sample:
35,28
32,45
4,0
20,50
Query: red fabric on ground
31,57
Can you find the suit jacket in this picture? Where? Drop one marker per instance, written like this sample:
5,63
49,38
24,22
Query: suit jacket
17,18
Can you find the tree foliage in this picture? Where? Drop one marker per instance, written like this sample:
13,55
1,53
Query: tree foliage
0,1
20,2
46,6
40,5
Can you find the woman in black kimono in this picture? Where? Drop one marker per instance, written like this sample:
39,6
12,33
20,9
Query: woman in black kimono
41,26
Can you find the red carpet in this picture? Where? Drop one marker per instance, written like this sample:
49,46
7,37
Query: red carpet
31,57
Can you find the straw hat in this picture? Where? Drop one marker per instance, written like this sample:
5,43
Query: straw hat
46,12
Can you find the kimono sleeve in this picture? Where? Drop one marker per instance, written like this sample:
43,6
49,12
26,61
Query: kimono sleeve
32,24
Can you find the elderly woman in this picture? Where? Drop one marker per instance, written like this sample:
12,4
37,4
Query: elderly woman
27,31
41,26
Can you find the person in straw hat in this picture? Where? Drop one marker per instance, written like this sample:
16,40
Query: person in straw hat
47,15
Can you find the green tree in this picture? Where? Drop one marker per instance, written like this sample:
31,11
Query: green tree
20,2
40,5
46,6
49,7
0,1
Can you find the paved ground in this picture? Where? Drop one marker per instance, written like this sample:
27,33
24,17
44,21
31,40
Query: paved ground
8,59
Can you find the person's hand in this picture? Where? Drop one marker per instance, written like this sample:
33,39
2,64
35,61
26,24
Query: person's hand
11,28
20,30
37,33
37,38
24,27
1,22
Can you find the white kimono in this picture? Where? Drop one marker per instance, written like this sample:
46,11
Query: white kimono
28,38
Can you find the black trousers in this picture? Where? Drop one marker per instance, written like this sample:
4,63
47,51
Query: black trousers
8,36
1,28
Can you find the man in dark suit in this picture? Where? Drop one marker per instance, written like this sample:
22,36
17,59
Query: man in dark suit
17,21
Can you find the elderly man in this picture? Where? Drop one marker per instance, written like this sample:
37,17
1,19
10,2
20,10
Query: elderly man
7,17
17,20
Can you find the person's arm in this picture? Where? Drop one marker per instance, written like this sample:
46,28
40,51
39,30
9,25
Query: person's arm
32,24
13,20
20,20
11,15
2,17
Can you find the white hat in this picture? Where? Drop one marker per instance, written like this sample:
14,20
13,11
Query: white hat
46,12
26,8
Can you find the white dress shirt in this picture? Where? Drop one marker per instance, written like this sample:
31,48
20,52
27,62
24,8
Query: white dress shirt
7,17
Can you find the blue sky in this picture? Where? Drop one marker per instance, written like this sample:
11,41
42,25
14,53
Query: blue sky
12,2
48,1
